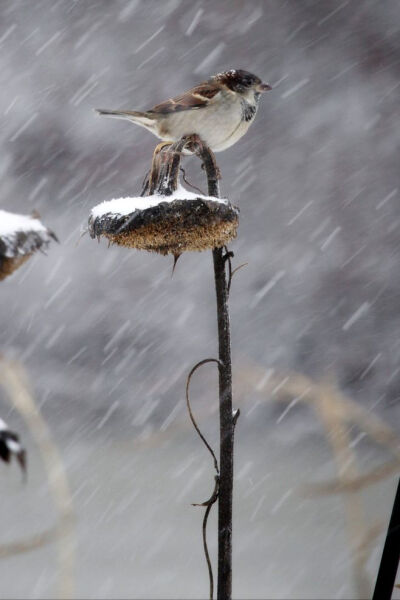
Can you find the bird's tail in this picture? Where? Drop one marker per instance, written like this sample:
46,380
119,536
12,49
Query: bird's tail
141,118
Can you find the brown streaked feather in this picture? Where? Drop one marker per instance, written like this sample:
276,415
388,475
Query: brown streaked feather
197,97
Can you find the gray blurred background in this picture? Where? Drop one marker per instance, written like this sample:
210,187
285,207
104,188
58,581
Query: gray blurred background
107,337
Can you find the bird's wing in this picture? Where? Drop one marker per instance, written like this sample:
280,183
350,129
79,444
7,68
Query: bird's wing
197,97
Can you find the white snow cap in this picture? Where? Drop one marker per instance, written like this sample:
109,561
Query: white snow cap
11,223
126,206
35,234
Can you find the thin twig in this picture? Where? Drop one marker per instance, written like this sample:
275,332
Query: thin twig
236,415
354,484
145,183
228,258
196,366
170,160
188,182
232,273
214,496
228,253
27,544
208,504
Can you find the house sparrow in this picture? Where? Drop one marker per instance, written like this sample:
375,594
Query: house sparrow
219,110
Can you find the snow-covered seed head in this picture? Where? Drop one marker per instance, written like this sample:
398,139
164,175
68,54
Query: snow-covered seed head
166,224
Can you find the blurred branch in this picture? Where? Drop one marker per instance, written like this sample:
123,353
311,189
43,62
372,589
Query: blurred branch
338,436
190,184
336,412
297,386
37,540
356,484
14,381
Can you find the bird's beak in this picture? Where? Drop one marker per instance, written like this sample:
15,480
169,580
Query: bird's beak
264,87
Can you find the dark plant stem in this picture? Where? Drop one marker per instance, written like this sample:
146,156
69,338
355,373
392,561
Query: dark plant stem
163,178
226,431
390,556
227,425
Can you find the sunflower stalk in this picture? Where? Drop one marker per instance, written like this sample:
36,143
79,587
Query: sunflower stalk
163,178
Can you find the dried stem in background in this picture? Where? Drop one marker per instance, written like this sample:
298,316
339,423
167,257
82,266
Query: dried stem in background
339,439
14,381
37,540
336,412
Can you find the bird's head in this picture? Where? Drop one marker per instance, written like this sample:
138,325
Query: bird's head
242,82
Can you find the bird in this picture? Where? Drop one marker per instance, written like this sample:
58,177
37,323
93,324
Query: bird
219,110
